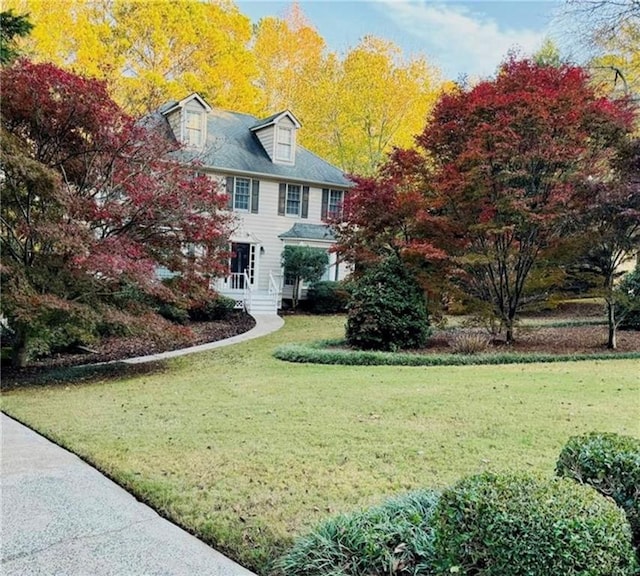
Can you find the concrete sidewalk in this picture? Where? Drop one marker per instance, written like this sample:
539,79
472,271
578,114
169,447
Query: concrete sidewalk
61,517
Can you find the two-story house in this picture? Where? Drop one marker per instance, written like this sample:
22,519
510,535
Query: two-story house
279,192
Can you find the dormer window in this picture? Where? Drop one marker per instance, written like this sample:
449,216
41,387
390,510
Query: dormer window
194,128
277,134
284,145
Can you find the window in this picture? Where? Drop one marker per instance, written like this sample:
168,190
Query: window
242,194
284,144
335,203
332,202
194,128
293,200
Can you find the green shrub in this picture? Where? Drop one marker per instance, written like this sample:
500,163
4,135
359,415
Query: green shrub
173,312
217,308
517,524
627,296
63,329
387,309
327,298
611,464
391,539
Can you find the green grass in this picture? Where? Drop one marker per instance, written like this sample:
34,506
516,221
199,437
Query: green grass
248,451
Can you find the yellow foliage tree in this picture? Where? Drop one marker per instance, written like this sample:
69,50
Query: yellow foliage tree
618,68
149,52
380,101
354,109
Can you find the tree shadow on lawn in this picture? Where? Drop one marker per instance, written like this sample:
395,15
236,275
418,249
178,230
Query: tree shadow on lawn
43,376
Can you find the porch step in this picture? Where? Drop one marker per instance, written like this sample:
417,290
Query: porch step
262,303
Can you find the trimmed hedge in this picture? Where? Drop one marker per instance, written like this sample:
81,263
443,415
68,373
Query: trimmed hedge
611,464
391,539
517,524
325,352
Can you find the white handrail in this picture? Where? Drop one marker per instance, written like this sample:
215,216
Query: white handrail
275,289
247,291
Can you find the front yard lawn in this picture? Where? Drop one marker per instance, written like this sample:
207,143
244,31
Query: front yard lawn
247,451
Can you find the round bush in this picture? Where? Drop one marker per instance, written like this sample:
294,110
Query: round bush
394,538
327,298
517,524
628,300
387,309
611,464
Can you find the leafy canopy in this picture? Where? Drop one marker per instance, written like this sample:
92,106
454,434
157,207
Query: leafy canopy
93,201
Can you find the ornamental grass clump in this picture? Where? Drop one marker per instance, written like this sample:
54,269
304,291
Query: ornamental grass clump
611,464
517,524
392,539
469,342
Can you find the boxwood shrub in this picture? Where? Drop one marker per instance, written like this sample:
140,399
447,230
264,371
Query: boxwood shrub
611,464
392,539
327,297
387,309
517,524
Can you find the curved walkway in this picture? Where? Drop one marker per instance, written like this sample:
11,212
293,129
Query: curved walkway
265,324
61,517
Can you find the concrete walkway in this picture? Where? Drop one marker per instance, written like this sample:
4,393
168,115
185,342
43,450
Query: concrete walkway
61,517
265,324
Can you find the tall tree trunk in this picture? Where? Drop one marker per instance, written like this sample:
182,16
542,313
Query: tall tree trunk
295,294
611,319
19,349
509,323
509,327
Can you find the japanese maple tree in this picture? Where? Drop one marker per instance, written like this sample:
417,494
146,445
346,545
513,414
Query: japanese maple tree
509,154
92,201
611,224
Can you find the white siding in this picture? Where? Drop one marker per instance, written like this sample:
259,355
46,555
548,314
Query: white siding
175,121
267,225
267,139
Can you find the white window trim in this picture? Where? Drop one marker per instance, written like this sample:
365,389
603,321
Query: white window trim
338,212
201,130
289,159
286,202
235,194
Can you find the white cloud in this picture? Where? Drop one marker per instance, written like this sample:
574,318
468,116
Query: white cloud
461,41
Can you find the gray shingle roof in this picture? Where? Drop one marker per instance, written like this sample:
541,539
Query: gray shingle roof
233,147
308,232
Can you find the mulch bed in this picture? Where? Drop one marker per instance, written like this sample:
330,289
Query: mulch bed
587,339
113,349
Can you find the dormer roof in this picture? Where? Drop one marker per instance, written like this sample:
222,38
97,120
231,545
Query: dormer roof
274,119
179,104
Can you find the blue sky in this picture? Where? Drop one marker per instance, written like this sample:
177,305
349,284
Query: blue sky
461,38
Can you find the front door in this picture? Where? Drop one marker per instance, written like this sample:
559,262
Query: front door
240,262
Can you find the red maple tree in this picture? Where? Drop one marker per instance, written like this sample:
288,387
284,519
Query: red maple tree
93,201
494,185
509,155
